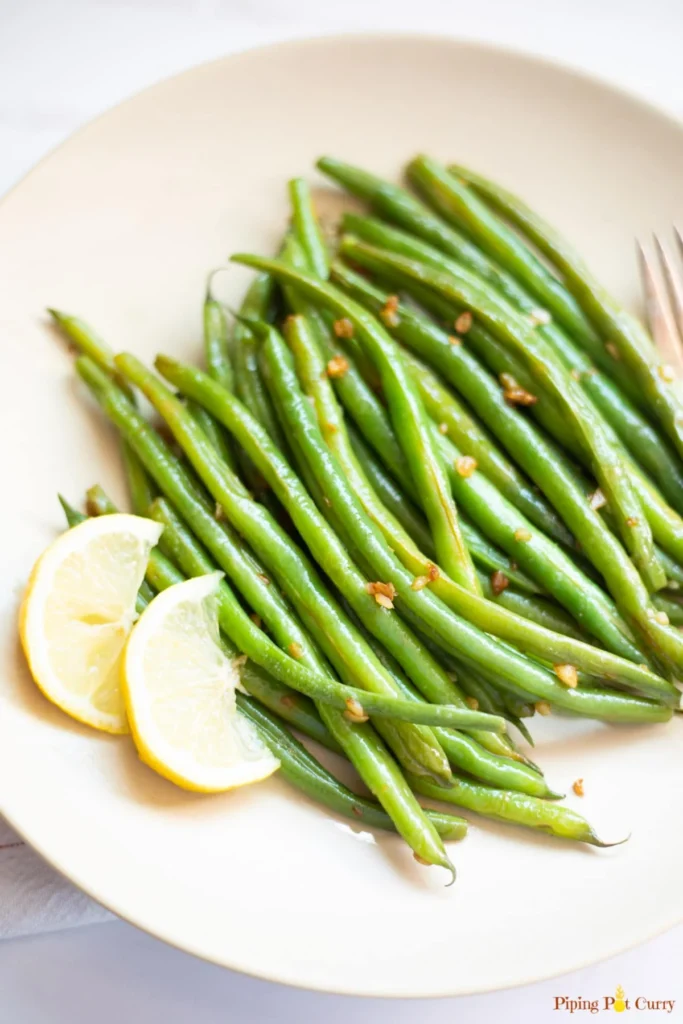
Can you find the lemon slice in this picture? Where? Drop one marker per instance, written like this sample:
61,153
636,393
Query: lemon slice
179,687
78,610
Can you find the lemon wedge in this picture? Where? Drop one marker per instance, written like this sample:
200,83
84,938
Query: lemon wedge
179,688
78,610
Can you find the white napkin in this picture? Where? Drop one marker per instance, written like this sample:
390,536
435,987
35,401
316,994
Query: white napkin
33,897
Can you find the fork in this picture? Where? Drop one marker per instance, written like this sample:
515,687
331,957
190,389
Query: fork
662,282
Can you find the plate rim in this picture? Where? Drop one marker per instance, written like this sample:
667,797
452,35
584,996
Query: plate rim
507,51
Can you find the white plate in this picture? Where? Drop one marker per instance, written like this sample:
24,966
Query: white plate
120,225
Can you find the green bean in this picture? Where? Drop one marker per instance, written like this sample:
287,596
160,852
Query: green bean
540,558
391,494
544,466
302,770
87,342
622,332
666,524
214,432
139,487
363,749
307,228
486,557
72,515
479,693
413,742
459,750
362,746
311,372
286,485
375,422
293,707
648,447
673,570
466,754
453,633
186,552
323,292
515,808
216,354
455,422
247,377
671,605
501,702
371,416
459,205
297,765
402,208
537,610
430,479
460,286
525,498
388,628
352,659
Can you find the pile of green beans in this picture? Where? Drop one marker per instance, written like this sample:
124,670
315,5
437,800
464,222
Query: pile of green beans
441,506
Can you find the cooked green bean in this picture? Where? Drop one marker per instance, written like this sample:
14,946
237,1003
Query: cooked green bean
486,556
459,750
466,755
352,658
500,702
648,447
622,333
216,354
179,545
90,344
497,315
671,605
305,773
296,764
452,632
543,463
389,628
440,404
214,432
326,293
538,610
515,808
414,742
293,707
362,746
307,228
139,486
412,428
459,205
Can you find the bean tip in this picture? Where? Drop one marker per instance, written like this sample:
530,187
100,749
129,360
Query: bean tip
550,794
594,840
209,296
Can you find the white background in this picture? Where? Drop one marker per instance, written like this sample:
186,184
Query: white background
61,63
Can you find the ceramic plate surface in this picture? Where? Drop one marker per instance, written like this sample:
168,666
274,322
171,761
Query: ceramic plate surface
120,225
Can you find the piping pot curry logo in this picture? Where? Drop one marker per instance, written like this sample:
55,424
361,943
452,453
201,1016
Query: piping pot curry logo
619,1003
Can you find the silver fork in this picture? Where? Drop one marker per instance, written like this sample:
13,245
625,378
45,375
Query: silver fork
662,280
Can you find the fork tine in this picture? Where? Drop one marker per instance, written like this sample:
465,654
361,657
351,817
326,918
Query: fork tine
658,312
674,285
